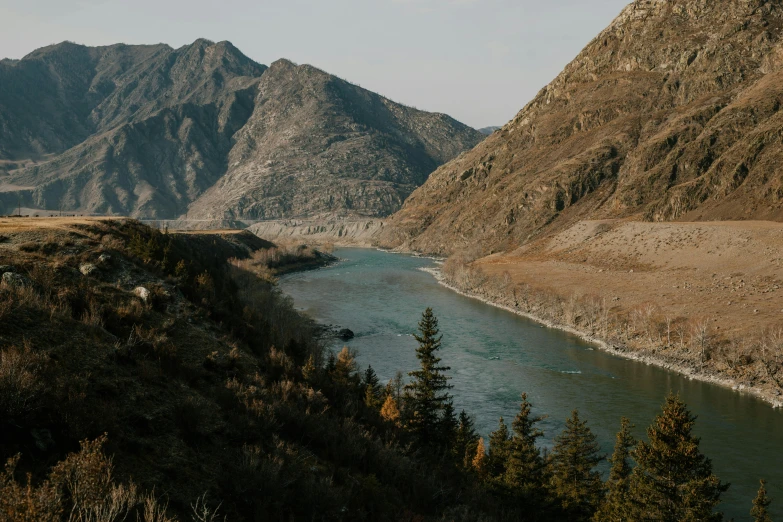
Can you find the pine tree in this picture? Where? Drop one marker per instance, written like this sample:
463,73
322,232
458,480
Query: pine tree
465,441
524,465
616,507
428,389
499,441
448,426
372,389
479,460
672,480
575,482
760,504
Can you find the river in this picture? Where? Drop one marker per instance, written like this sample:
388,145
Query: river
496,355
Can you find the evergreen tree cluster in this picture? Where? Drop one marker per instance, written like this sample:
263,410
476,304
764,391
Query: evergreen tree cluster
664,478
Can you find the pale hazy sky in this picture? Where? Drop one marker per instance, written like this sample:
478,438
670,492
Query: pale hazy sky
479,61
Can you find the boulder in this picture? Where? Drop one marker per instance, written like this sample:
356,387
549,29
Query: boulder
142,293
104,258
345,334
87,268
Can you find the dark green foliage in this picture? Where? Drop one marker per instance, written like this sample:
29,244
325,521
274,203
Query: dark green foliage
428,389
465,441
616,505
575,482
673,481
760,504
373,393
448,426
524,466
499,441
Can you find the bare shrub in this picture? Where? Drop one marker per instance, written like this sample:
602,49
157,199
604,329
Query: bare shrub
701,336
80,487
21,381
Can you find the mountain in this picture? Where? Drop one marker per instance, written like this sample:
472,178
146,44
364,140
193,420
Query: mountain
147,131
670,113
488,130
316,144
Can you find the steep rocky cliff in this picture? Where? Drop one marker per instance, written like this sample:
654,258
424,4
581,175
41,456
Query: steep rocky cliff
672,112
148,130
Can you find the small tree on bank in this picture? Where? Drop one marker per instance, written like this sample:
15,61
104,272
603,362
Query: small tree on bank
428,390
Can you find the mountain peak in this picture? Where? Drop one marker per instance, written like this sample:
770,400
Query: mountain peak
283,63
669,113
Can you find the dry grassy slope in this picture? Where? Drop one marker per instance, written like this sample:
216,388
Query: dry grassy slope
147,130
188,386
672,112
729,272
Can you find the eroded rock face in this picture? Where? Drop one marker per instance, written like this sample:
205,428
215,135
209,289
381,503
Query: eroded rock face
672,112
155,132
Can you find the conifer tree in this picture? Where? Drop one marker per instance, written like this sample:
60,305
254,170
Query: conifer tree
479,460
345,368
760,504
498,451
309,369
371,379
465,440
448,426
372,389
575,482
616,504
524,464
390,412
672,480
428,389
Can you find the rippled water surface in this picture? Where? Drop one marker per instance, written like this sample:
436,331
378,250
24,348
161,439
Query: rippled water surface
496,355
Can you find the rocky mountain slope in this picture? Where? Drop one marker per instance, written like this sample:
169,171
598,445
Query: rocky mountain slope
148,130
672,112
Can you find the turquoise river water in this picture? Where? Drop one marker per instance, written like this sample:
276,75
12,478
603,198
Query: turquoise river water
496,355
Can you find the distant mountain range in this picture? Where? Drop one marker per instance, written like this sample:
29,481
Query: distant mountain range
673,112
205,132
488,130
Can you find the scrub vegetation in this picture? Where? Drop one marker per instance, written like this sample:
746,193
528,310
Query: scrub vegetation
163,376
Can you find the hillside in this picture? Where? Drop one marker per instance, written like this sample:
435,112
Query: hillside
148,131
179,357
671,113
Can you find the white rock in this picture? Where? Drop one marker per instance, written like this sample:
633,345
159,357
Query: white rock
142,293
87,268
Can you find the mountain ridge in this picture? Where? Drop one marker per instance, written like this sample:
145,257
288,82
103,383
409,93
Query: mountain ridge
148,130
659,117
